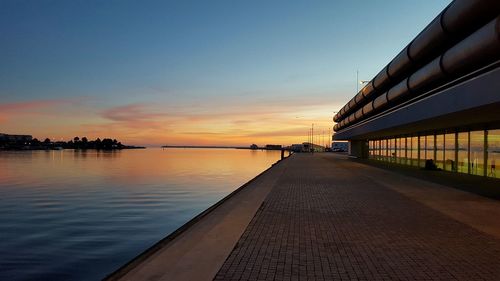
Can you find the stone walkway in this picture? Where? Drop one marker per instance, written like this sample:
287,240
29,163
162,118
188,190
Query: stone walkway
326,219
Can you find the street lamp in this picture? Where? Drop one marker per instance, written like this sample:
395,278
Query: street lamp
359,82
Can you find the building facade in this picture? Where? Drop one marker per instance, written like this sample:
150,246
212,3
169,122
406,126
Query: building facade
15,138
438,99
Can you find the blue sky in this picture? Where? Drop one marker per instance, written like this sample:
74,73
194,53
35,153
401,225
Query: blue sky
196,57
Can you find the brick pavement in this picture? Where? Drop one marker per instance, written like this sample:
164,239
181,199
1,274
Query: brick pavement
324,220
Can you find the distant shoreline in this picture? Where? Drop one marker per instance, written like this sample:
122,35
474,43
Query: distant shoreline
56,148
210,146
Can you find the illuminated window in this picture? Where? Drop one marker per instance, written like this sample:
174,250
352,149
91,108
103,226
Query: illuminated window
397,153
392,150
493,153
440,151
380,151
429,147
402,151
450,163
476,161
383,149
422,150
414,151
463,152
370,149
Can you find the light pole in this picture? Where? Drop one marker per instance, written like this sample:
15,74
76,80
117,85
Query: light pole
359,82
312,133
323,138
329,136
312,137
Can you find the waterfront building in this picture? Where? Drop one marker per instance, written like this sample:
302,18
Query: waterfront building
15,138
307,147
438,100
273,146
297,147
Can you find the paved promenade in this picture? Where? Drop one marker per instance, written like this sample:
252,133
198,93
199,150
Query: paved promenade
328,218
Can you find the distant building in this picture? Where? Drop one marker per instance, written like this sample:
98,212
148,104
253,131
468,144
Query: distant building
254,146
15,138
273,147
306,147
297,147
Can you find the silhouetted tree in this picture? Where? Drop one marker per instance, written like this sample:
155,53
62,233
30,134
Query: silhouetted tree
107,143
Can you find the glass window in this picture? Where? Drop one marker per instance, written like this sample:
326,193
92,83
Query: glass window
476,161
463,152
440,151
398,150
409,150
421,146
392,149
402,151
370,149
383,147
380,150
449,153
493,153
414,151
429,147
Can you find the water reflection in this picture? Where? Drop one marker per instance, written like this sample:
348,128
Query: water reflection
80,214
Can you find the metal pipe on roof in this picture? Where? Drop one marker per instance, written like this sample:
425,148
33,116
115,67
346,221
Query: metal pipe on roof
477,50
456,21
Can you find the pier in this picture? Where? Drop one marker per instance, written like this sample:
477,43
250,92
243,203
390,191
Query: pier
326,217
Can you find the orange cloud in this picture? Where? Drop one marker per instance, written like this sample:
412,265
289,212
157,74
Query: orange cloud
130,113
293,132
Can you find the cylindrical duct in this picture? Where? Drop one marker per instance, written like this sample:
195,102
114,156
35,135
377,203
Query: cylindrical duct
398,92
427,76
380,102
367,109
477,50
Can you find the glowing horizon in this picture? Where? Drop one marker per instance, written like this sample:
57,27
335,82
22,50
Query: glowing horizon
145,124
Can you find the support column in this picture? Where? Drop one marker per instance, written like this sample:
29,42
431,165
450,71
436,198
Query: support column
358,148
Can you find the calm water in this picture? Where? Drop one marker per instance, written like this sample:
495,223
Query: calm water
78,215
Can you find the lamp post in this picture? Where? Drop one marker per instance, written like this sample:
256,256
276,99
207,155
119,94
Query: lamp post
323,138
359,82
312,133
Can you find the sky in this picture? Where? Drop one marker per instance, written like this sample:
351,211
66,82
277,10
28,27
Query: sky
193,72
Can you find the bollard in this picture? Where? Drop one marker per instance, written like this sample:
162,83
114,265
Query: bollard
282,154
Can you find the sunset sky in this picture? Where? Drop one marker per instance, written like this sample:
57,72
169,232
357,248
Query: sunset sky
192,72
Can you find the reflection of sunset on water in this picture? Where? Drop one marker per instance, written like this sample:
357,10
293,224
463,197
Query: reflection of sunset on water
63,206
